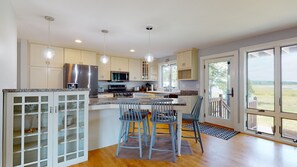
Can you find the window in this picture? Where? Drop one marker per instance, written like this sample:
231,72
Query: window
169,75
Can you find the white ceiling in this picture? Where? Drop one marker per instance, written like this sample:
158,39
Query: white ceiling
178,24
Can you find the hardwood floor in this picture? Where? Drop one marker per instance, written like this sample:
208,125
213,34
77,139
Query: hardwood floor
240,151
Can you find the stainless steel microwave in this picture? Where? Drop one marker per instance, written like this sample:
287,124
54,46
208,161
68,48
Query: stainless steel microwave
117,76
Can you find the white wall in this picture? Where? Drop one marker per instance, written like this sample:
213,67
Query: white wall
8,55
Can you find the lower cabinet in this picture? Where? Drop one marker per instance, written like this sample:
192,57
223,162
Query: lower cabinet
190,101
45,128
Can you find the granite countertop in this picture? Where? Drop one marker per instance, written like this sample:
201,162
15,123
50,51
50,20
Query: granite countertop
143,101
43,90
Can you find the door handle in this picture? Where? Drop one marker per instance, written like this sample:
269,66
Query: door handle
232,93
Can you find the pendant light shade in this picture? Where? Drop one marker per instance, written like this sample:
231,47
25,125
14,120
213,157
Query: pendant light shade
49,53
104,58
149,57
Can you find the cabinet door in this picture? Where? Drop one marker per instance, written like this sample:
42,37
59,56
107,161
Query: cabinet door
55,78
89,58
135,69
37,58
42,77
28,129
70,128
119,64
104,70
72,56
184,60
153,71
38,78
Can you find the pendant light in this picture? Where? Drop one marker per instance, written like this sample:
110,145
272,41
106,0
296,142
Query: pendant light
104,58
149,57
49,53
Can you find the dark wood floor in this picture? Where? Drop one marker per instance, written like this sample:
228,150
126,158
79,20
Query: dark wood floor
240,151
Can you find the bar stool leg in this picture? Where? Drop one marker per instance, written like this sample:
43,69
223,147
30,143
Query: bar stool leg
120,137
199,135
139,138
173,142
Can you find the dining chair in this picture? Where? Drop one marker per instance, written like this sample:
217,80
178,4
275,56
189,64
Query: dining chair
162,113
194,119
130,112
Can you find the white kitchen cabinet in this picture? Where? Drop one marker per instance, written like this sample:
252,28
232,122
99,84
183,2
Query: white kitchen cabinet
135,70
119,64
43,77
149,71
75,56
187,65
104,70
45,128
37,59
190,101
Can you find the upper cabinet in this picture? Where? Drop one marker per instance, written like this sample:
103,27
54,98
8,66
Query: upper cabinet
150,71
37,59
187,65
104,70
75,56
135,70
119,64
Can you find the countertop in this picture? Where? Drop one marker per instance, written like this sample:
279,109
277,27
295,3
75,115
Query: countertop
143,101
43,90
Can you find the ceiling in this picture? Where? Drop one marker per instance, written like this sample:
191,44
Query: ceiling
177,24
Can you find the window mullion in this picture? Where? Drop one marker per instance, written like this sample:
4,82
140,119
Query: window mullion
277,88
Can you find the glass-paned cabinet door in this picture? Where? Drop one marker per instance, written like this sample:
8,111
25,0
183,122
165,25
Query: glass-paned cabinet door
29,113
71,124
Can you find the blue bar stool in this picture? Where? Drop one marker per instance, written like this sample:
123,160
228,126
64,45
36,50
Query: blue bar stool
130,112
162,113
194,119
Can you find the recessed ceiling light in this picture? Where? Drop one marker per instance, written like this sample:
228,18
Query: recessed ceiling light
78,41
132,50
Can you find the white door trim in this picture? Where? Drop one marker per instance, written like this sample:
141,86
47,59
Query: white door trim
236,116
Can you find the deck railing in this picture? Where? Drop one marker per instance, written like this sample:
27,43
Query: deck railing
219,108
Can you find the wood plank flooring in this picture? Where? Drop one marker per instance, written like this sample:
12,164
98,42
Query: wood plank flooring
240,151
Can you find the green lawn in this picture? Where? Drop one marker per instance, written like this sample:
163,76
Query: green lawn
265,99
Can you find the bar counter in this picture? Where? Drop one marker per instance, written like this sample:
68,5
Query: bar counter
104,124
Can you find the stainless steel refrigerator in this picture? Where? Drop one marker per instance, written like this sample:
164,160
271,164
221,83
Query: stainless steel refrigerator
81,76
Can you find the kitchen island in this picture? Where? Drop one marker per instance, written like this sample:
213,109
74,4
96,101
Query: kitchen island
104,124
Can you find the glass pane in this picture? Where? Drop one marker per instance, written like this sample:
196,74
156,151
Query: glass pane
16,159
62,98
61,150
81,105
81,154
17,109
61,107
17,100
60,159
174,75
44,122
32,165
260,79
289,128
71,97
31,108
218,88
69,157
289,79
44,98
261,123
17,145
43,164
71,147
31,123
165,76
31,156
31,99
81,97
43,153
17,125
72,105
44,108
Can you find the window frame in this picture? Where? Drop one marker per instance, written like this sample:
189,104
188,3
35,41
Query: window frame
172,62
